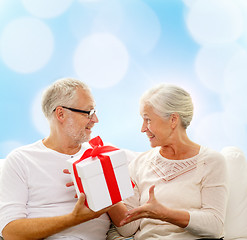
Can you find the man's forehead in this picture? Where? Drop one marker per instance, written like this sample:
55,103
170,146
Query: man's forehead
85,97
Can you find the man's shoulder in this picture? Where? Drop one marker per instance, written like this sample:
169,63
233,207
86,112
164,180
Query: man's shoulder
25,149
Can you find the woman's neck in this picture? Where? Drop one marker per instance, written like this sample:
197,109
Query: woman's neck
180,148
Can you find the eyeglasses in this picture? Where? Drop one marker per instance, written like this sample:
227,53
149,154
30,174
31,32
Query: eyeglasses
89,113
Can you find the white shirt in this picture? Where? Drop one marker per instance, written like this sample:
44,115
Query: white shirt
32,185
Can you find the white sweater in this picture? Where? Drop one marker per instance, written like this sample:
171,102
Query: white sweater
197,185
32,185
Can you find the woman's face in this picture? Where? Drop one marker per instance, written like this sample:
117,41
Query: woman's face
157,129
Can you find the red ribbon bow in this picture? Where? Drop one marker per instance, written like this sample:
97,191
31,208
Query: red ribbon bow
96,151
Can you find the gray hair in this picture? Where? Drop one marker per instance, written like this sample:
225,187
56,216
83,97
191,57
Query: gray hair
61,92
166,99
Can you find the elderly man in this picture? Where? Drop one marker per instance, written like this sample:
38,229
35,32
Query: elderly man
34,201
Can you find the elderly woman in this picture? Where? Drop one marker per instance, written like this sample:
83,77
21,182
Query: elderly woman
180,186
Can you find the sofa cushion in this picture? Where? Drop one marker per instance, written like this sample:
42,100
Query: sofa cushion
236,215
1,164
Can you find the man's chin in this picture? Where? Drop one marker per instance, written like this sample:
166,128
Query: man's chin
85,138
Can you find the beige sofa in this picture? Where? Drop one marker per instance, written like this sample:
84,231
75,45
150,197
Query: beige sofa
236,217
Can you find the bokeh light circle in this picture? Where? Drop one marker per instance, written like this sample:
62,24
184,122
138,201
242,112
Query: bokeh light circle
218,130
101,60
215,21
46,8
235,85
39,120
141,28
26,45
189,3
211,63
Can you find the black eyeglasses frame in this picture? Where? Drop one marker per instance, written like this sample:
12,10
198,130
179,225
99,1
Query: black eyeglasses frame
89,113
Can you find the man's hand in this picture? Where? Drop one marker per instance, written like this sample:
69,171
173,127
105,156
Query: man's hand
82,213
69,184
40,228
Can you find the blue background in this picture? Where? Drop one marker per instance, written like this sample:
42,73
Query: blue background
120,48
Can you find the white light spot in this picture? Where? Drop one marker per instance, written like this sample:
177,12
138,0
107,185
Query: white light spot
219,130
27,45
189,3
101,60
103,17
243,6
236,105
39,120
236,74
235,85
89,1
141,27
211,63
109,18
46,8
215,21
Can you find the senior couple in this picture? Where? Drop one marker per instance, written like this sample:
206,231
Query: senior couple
180,187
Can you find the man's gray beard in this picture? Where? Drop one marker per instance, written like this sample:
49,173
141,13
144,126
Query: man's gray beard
85,138
74,134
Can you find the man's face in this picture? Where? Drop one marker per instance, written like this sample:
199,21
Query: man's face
78,126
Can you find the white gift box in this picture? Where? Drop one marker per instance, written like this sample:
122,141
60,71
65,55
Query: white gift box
94,182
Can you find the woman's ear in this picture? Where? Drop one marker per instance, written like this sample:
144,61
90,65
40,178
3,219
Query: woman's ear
174,119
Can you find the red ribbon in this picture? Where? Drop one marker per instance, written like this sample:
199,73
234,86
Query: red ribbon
96,151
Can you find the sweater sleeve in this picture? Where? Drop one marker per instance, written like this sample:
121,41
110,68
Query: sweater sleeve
132,202
209,220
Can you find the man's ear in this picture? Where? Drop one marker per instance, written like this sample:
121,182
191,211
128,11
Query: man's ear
60,114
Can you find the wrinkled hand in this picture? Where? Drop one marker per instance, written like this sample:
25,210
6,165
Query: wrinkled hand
151,209
82,213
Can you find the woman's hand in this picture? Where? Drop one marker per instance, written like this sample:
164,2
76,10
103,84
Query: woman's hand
155,210
151,209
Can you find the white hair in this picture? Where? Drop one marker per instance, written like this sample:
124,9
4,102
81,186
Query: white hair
166,99
61,93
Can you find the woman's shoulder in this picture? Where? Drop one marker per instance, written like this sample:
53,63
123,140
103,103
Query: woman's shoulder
209,156
144,157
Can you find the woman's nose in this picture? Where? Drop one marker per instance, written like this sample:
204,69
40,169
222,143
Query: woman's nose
144,127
